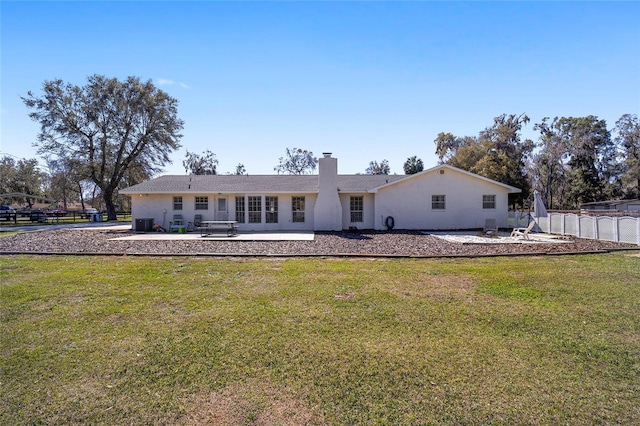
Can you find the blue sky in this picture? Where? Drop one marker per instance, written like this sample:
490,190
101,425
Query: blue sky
364,80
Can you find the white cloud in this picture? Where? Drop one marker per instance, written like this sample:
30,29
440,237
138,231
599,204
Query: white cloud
169,82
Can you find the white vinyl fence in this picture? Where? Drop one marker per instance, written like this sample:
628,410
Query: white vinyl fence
623,229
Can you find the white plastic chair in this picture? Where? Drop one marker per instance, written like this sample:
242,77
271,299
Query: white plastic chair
524,232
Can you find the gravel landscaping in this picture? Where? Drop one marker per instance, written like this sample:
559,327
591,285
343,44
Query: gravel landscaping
397,243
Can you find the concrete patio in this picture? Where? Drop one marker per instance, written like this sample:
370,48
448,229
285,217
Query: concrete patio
241,236
160,236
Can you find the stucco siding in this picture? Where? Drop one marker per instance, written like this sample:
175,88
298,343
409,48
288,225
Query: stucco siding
368,213
160,208
408,199
409,202
144,206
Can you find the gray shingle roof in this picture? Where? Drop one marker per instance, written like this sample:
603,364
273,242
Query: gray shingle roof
363,183
242,184
174,184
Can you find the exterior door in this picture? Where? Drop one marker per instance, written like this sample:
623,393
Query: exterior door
221,208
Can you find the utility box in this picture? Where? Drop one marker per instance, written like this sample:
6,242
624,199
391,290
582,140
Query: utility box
144,225
96,217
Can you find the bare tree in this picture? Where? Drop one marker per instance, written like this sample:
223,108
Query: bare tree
205,164
378,169
297,161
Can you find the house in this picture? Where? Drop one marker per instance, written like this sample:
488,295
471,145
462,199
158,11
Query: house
442,197
612,206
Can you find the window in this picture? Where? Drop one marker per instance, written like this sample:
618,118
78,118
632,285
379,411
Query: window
240,209
202,203
255,209
437,202
177,203
271,205
356,206
297,209
488,201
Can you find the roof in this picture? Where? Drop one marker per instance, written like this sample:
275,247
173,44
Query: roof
608,203
175,184
365,183
511,189
301,184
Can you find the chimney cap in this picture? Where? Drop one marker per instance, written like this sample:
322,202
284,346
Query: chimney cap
326,154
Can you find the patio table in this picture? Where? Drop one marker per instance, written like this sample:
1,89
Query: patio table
209,227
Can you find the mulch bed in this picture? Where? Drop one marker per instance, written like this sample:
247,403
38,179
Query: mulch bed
396,243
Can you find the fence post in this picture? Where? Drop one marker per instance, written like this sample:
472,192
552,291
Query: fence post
563,217
638,230
595,228
577,226
616,238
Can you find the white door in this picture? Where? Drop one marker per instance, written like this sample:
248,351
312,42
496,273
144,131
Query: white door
222,208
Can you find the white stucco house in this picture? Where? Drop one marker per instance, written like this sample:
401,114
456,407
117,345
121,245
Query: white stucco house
439,198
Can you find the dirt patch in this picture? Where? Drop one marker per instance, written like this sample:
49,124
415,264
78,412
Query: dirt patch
437,287
256,402
345,296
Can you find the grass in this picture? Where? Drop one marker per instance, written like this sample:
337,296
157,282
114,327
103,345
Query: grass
320,341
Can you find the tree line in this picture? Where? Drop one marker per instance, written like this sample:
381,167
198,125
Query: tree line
575,160
109,134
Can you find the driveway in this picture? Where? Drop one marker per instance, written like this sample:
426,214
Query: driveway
81,225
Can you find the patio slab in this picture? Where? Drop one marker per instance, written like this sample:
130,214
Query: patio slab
501,238
243,236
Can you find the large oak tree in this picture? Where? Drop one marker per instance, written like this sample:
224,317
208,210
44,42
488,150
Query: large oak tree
628,141
497,152
590,155
108,126
21,177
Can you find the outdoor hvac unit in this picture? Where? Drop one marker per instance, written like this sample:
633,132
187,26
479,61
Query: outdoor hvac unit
144,225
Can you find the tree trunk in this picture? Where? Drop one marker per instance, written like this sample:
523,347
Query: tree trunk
81,197
109,205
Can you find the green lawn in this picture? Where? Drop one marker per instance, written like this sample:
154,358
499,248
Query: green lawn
123,340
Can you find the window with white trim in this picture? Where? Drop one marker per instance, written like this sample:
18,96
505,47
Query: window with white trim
297,209
255,209
488,201
437,202
177,203
202,203
271,207
356,209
